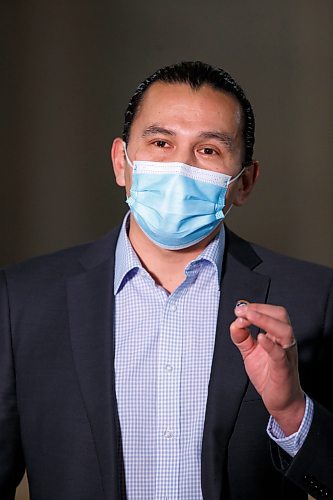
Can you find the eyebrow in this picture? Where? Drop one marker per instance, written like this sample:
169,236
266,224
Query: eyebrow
221,137
156,129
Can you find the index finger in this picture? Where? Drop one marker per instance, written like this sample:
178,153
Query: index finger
277,326
276,312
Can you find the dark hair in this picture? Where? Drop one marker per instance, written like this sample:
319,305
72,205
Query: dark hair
197,74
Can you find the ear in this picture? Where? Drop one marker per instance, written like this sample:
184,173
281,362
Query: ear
118,160
245,184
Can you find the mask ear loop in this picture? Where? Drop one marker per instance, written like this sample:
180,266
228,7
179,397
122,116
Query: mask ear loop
237,176
230,182
225,214
131,198
126,155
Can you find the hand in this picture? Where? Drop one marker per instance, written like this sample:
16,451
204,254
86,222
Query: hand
271,361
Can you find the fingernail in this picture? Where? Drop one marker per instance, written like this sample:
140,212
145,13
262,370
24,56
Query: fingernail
241,303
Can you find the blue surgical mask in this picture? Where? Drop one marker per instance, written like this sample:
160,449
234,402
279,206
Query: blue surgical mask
176,205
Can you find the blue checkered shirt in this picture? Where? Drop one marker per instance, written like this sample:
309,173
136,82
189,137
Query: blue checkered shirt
163,353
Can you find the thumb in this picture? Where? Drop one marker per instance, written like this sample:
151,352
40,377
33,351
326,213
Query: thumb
241,336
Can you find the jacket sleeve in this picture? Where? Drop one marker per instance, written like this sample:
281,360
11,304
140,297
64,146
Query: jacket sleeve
11,455
312,467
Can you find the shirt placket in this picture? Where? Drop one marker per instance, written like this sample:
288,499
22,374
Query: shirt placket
169,358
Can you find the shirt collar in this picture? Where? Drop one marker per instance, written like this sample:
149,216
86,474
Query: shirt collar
213,253
127,262
126,259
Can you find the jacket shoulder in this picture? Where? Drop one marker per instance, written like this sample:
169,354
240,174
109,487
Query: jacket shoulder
280,268
66,261
282,263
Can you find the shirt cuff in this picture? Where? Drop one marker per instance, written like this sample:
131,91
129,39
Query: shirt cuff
292,444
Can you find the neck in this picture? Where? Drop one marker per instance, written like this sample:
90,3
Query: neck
165,266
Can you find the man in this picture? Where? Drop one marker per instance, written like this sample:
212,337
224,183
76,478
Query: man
150,363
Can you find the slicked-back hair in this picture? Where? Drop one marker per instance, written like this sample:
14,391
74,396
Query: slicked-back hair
196,74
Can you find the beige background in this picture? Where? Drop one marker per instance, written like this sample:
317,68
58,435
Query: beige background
69,67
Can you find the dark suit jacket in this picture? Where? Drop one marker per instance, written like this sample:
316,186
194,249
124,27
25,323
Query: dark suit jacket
58,412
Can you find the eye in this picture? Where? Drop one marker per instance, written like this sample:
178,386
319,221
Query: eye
207,151
160,143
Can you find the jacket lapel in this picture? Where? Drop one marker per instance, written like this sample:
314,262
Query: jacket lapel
91,304
229,380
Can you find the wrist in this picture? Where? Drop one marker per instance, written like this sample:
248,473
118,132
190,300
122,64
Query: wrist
290,419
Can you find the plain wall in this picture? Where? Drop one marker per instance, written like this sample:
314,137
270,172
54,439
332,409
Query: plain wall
69,67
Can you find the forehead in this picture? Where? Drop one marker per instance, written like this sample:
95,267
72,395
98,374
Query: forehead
178,103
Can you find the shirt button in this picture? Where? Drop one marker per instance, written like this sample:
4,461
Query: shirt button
168,434
168,368
173,307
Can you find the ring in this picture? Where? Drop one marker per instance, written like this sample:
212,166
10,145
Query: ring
241,303
289,346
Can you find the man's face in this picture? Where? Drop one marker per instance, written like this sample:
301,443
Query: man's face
175,123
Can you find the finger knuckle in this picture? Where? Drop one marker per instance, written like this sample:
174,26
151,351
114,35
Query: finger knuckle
289,331
283,314
281,311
